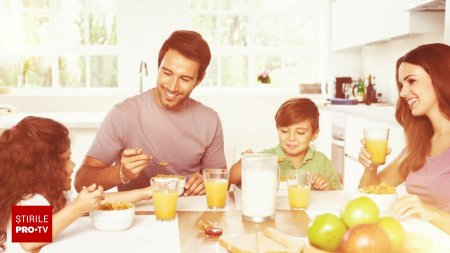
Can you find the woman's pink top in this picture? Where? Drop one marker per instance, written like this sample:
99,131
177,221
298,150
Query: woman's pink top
432,182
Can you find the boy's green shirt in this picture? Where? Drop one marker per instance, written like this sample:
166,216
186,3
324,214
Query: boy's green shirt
314,161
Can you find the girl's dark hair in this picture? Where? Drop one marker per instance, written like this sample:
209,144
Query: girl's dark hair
32,162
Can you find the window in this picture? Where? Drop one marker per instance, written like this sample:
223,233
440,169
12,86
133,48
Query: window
58,43
247,37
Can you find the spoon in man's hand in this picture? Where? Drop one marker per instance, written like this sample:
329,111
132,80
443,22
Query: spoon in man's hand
160,163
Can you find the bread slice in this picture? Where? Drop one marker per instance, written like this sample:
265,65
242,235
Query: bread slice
252,243
267,245
284,239
239,244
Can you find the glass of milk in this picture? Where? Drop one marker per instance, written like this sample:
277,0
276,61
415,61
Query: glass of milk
259,186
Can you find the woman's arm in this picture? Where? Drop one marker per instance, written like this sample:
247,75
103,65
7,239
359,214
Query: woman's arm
412,205
390,175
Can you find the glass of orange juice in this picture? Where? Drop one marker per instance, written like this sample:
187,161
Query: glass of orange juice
299,188
165,197
216,186
375,142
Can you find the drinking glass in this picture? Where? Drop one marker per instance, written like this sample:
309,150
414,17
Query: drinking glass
375,142
259,186
347,89
216,187
299,188
165,197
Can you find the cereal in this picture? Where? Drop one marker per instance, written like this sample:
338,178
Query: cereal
170,176
382,188
113,206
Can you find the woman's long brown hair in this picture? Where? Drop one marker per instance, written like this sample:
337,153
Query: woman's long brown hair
435,60
32,162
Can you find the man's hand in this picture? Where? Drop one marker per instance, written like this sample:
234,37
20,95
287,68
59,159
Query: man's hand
195,185
133,161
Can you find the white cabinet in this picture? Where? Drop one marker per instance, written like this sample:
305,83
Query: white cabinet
323,141
356,23
353,135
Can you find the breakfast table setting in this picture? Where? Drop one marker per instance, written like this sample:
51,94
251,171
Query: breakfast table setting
182,234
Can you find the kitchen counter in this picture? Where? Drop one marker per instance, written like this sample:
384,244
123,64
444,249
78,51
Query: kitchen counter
381,112
88,120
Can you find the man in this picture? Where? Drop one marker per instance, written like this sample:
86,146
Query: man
181,135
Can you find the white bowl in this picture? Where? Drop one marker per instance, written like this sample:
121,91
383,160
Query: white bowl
113,220
181,179
383,201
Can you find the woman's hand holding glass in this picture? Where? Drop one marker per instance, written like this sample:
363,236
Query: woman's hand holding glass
365,158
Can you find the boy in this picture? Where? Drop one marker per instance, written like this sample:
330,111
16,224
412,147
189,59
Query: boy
297,122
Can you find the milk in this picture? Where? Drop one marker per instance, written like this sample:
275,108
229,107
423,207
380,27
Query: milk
258,192
259,185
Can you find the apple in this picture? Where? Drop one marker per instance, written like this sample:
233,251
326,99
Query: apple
394,230
360,211
365,238
326,232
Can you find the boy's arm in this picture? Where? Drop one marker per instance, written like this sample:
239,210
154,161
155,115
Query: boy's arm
235,173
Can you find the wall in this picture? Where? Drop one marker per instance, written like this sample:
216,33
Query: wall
379,59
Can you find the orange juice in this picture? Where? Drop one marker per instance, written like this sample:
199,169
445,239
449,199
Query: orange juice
216,192
377,149
299,196
165,204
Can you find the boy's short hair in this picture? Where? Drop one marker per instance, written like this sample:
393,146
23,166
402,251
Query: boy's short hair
296,110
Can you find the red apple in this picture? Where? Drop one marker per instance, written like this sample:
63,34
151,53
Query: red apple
365,238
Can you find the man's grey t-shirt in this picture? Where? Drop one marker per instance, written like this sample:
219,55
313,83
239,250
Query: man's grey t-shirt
189,138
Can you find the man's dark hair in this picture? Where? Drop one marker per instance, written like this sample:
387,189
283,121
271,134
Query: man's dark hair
191,45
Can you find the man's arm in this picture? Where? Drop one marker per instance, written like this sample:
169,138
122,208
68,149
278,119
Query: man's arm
96,171
132,162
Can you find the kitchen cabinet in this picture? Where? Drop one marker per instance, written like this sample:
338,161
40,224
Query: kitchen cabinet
356,23
323,141
354,133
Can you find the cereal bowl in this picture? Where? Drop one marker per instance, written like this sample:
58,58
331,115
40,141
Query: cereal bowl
113,216
181,179
383,195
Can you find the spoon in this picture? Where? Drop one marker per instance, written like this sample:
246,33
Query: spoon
160,163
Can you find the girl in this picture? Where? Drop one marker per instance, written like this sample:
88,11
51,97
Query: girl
35,170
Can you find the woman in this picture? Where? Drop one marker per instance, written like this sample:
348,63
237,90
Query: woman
35,170
423,110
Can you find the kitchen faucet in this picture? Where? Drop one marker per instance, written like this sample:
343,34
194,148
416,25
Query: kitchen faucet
142,71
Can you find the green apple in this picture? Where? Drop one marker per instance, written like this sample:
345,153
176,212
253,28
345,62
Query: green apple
395,232
360,211
326,232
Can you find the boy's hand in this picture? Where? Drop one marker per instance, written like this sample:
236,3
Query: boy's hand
320,183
